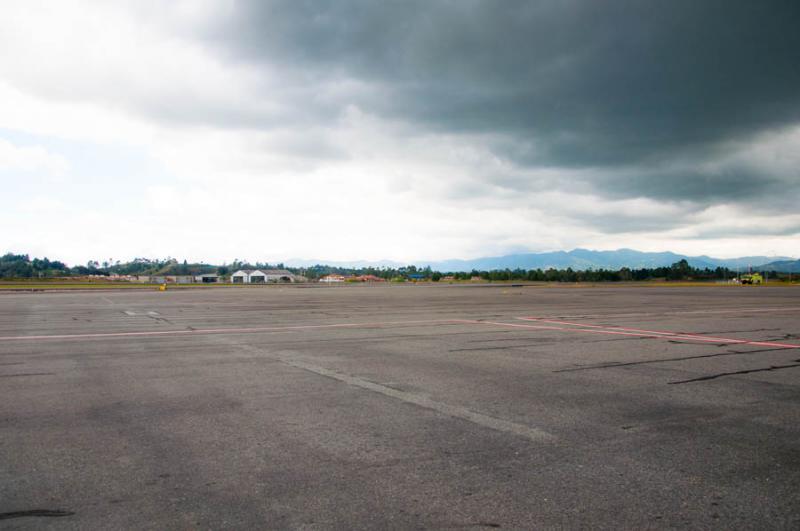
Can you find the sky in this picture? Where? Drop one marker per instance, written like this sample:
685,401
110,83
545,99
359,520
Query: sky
415,130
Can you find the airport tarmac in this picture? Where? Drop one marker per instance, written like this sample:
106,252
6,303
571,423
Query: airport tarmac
402,407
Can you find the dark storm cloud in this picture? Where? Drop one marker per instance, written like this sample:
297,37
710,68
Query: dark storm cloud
738,232
567,84
723,185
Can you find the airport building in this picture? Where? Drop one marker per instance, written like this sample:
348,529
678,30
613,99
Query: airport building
261,276
204,278
171,279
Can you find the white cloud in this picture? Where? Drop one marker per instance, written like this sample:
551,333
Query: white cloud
15,158
80,121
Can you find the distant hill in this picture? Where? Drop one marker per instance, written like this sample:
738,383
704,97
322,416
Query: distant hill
583,259
184,269
783,266
303,262
577,259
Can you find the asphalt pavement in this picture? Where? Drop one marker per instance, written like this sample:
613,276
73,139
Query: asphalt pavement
401,407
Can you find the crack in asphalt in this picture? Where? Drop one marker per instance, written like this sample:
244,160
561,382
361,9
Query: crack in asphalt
735,373
160,319
613,364
49,513
507,347
26,374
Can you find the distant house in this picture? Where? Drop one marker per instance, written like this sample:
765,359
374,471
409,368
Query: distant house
262,276
332,278
171,279
368,278
206,278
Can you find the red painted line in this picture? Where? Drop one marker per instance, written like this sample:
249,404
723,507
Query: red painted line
604,331
516,325
230,330
682,312
658,334
662,332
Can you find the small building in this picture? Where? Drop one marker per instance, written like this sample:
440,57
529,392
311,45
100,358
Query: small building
206,278
262,276
332,278
368,278
247,276
279,275
242,276
171,279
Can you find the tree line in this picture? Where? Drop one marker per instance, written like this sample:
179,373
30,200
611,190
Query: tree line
22,266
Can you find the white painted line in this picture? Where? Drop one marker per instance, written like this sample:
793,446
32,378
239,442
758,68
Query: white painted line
232,330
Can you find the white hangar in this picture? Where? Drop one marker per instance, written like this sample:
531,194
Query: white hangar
262,276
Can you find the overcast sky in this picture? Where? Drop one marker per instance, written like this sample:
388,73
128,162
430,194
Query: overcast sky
214,130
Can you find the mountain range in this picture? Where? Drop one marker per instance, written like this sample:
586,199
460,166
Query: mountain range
783,266
582,259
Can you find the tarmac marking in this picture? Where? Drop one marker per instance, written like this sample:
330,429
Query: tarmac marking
231,330
638,332
682,312
623,328
534,434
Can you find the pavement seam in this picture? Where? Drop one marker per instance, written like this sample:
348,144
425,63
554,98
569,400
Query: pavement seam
531,433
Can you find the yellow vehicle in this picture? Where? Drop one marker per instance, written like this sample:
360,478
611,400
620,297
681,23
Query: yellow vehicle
752,278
